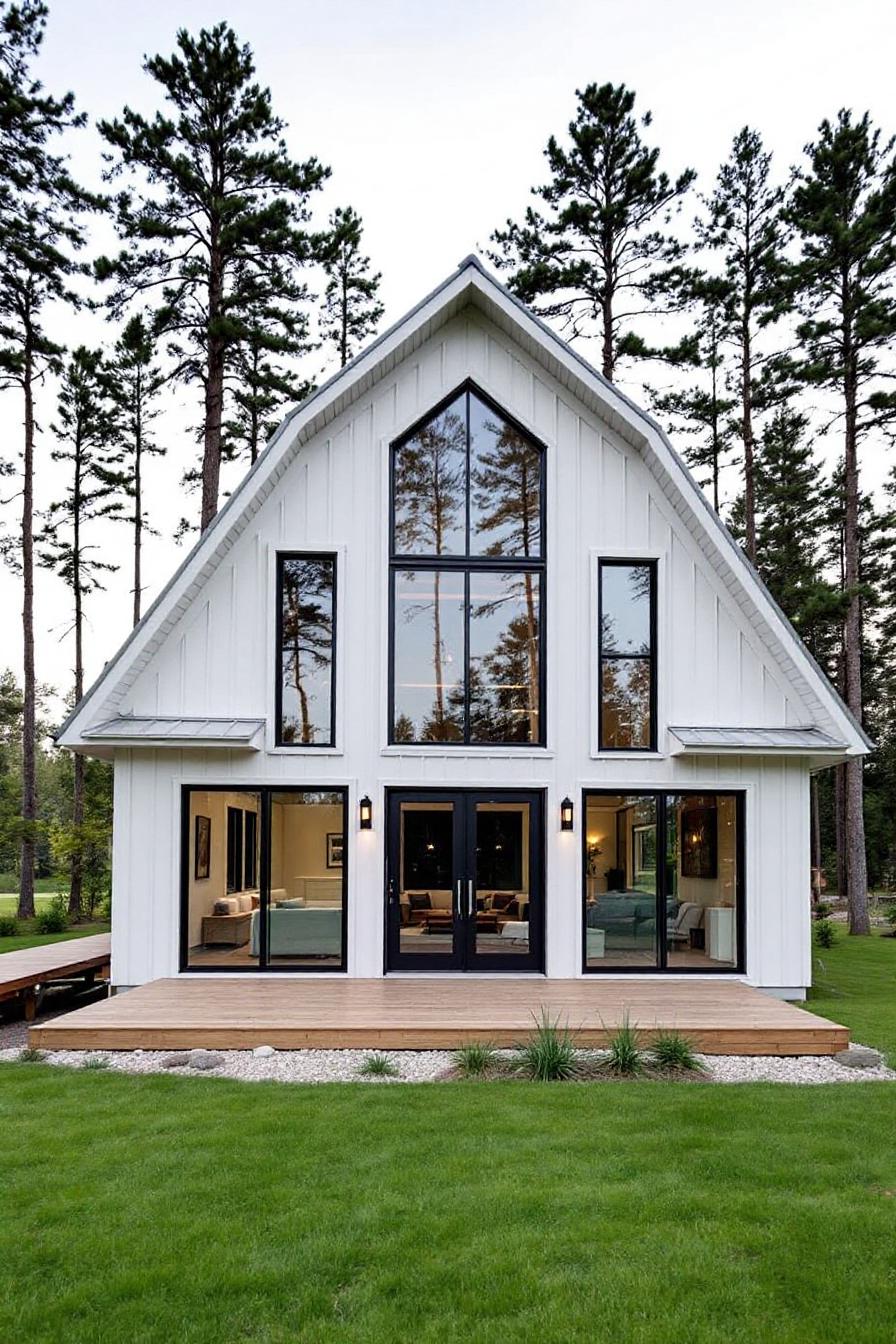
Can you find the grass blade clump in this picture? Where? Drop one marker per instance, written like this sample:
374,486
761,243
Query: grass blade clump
377,1066
625,1056
674,1053
549,1055
475,1058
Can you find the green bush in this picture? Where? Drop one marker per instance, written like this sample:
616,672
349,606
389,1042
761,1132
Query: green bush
30,1056
822,909
53,917
674,1052
9,926
549,1056
891,914
378,1066
825,933
475,1058
625,1055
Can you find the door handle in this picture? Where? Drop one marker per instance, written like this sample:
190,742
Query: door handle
458,898
470,897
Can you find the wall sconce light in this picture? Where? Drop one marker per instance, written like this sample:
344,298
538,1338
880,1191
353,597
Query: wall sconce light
566,815
365,807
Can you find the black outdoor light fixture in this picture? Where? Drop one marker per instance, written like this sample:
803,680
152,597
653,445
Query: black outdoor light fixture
365,808
566,814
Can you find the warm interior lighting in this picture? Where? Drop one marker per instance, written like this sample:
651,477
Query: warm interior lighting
566,815
365,808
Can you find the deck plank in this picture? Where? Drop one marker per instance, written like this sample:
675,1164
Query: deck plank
33,965
721,1017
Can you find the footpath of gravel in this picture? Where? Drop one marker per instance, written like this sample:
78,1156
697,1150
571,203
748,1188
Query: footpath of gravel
411,1066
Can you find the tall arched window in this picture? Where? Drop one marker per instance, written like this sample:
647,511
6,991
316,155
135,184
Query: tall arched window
467,602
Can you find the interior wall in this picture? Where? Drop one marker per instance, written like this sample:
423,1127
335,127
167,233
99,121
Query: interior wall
203,892
600,829
299,857
721,889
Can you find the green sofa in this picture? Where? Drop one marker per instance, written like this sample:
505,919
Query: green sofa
309,931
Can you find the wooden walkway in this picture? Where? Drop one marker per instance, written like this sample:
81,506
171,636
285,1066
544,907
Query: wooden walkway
22,972
721,1017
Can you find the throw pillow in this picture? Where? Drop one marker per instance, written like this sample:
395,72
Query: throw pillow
420,900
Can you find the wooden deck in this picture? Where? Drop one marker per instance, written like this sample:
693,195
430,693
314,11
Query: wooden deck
75,958
721,1017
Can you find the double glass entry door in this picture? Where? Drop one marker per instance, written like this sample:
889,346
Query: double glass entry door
464,881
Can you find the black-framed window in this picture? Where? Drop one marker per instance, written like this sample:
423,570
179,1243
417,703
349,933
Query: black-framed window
467,578
663,881
306,650
293,917
627,655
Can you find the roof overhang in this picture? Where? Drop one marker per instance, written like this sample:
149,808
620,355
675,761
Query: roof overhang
806,741
129,730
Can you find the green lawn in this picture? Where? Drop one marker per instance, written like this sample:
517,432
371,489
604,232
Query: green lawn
168,1209
855,983
43,886
28,938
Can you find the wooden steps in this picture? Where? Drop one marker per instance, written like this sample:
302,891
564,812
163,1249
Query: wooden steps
417,1013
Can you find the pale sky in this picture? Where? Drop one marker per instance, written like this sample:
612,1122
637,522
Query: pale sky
433,118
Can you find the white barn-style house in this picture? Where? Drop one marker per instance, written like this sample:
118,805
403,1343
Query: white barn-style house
465,677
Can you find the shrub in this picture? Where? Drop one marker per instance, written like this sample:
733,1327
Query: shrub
96,1062
475,1058
891,914
30,1056
53,917
674,1052
625,1055
378,1066
822,909
9,926
825,933
549,1056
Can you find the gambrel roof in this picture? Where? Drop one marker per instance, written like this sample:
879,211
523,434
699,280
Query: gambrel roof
470,285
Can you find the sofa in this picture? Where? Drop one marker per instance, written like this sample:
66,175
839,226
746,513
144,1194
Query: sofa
299,931
628,914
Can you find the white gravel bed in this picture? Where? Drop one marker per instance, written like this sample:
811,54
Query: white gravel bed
420,1066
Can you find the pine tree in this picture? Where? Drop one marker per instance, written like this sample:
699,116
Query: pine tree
136,381
744,225
843,211
351,308
215,219
88,434
601,254
701,411
39,235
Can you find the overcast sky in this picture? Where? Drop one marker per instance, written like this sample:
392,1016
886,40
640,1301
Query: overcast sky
433,118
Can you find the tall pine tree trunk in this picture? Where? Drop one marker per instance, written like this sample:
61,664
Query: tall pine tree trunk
856,870
840,831
815,840
29,713
749,444
214,392
77,864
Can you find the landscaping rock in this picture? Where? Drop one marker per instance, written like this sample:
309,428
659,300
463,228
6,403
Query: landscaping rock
263,1051
859,1057
204,1060
179,1061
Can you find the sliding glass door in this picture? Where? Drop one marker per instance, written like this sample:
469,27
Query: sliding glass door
663,881
263,879
464,881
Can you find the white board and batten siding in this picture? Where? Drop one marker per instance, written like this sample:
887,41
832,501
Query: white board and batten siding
603,499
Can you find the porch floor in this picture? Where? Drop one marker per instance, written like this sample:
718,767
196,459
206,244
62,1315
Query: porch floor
720,1017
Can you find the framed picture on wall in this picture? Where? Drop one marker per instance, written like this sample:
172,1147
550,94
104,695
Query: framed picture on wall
335,844
203,848
699,842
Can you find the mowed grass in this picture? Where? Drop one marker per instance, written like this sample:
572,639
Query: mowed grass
43,886
855,983
46,890
170,1209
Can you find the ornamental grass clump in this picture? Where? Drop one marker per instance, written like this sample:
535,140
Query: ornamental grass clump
674,1053
549,1055
625,1057
29,1055
96,1062
475,1059
377,1066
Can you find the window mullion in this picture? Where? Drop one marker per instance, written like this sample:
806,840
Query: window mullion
467,733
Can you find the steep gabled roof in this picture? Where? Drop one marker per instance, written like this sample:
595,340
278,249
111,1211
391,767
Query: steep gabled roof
470,284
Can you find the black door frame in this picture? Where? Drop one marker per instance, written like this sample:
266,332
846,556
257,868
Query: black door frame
464,958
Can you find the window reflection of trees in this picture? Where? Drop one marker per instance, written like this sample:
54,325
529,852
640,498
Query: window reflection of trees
307,648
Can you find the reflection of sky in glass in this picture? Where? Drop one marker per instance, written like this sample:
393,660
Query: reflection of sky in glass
419,664
625,609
